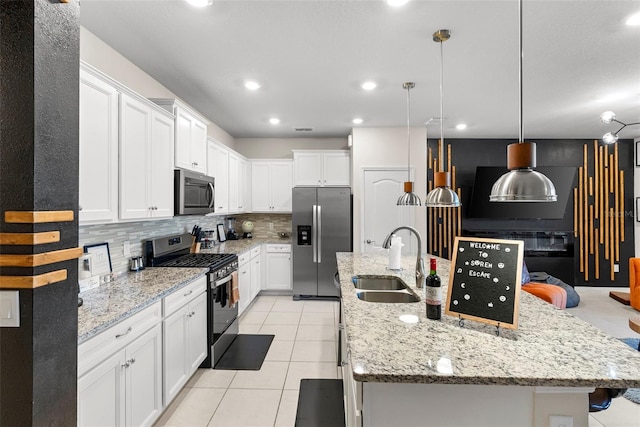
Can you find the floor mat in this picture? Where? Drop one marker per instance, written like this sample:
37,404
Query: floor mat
246,353
320,403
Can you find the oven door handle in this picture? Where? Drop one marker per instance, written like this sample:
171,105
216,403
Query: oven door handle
222,281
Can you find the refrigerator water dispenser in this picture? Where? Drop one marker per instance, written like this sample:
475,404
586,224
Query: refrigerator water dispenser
304,235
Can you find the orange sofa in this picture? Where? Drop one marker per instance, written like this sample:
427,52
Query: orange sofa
634,282
550,293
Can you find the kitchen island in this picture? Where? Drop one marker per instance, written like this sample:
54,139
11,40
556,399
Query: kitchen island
439,373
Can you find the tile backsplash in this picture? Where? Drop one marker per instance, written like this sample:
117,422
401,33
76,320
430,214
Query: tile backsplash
135,233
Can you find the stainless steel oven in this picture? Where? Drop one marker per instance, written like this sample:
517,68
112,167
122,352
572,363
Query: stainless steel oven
222,324
194,193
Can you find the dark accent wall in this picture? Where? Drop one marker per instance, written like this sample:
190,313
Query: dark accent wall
39,62
466,154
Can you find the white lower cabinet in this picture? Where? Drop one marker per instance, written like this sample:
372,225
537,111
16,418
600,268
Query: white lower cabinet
126,388
244,281
278,268
352,389
184,340
256,272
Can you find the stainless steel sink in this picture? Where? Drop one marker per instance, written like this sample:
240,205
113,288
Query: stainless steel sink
387,296
374,283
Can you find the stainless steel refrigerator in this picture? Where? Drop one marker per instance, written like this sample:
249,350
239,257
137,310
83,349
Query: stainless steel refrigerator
321,227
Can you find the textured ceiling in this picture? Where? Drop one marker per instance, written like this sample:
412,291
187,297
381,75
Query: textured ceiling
311,56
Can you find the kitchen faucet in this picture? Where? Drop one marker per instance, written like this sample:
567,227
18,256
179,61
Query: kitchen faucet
421,274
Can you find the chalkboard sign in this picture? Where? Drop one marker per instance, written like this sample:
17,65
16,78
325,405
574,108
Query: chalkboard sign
484,281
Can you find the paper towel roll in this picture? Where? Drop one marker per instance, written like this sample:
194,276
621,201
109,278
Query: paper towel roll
394,253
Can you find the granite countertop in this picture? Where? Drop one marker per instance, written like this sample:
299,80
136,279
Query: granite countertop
242,245
112,302
551,347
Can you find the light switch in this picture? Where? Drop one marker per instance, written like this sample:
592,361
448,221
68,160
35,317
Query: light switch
10,309
560,421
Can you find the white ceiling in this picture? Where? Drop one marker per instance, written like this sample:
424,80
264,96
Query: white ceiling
311,57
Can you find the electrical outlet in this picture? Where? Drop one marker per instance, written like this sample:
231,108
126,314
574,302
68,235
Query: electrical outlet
560,421
270,226
616,268
126,248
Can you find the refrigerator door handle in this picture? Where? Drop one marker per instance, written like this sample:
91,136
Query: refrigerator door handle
319,239
314,234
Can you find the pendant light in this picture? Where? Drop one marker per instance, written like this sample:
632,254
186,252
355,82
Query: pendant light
522,183
442,195
409,198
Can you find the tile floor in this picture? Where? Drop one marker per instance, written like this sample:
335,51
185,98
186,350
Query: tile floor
305,347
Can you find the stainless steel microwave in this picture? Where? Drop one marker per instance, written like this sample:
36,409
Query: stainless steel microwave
194,193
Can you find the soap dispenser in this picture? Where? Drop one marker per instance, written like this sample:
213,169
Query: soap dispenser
394,252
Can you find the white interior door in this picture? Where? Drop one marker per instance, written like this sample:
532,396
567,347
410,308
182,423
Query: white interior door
381,215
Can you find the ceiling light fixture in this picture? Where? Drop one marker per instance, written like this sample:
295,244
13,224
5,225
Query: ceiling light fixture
633,20
397,3
442,195
461,126
274,120
200,3
357,121
251,85
522,183
612,137
409,198
369,85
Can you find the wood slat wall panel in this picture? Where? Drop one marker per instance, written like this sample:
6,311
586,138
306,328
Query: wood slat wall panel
30,282
29,238
35,260
35,217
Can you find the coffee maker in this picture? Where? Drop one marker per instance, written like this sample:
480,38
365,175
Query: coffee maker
231,229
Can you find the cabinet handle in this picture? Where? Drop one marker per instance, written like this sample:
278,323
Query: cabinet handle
124,365
188,293
193,313
131,361
244,272
318,181
79,208
124,333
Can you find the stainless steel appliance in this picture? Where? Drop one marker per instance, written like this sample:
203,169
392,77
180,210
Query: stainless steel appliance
194,193
322,226
222,324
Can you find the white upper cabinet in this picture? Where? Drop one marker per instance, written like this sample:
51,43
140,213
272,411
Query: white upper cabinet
234,183
218,168
146,172
98,187
190,136
243,189
271,183
320,168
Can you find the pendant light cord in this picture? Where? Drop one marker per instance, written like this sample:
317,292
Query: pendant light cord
409,132
441,154
521,136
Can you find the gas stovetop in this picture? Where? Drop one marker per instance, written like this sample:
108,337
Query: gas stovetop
212,261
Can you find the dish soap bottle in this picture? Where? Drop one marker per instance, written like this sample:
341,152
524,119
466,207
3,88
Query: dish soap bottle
394,253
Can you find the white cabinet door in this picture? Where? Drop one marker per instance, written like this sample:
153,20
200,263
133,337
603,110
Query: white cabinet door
244,286
218,167
260,187
256,276
184,123
161,173
234,171
199,146
101,394
174,352
307,169
190,142
197,327
243,197
336,168
281,186
278,275
98,184
135,132
144,379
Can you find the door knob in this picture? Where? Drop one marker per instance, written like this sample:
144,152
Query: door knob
369,241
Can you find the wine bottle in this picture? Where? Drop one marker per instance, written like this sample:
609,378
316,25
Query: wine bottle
433,292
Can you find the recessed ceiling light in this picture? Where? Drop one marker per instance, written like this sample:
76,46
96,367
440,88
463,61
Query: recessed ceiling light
274,120
251,85
357,121
397,3
633,20
369,85
461,126
200,3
